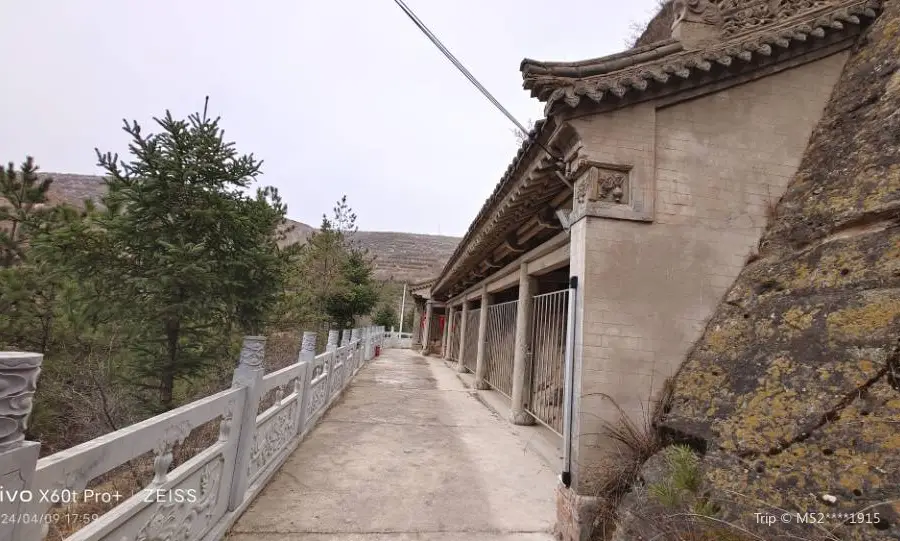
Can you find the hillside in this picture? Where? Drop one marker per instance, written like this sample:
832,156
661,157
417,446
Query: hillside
398,256
792,395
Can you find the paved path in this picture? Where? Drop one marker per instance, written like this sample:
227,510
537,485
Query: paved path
407,454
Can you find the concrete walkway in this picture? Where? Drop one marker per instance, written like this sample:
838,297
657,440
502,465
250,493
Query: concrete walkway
407,454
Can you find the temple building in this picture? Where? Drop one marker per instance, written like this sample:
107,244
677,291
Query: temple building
628,213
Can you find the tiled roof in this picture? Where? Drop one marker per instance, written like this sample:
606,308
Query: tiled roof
500,191
627,75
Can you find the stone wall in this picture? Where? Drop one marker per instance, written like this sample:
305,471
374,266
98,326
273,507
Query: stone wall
712,167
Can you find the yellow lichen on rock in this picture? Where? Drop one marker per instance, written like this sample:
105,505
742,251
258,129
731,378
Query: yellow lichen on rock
861,321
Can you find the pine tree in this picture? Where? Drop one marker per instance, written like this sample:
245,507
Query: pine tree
386,317
22,199
185,254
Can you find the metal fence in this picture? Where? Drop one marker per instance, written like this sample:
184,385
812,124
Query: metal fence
471,339
548,349
453,336
500,346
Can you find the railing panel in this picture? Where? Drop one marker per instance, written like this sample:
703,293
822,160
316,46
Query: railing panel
471,339
318,395
500,346
546,373
156,513
283,377
71,470
277,426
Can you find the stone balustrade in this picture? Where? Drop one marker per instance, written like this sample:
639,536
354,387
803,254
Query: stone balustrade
397,340
197,500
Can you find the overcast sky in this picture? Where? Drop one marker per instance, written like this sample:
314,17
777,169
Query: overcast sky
336,96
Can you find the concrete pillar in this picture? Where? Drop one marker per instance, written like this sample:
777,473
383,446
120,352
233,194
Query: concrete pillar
461,352
480,361
522,355
448,322
416,325
426,334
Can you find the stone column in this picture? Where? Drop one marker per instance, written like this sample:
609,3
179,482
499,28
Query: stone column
416,326
308,356
461,352
480,361
346,337
448,322
249,374
18,382
332,340
426,333
522,356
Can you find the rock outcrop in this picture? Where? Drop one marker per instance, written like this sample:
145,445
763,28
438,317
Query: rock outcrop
793,392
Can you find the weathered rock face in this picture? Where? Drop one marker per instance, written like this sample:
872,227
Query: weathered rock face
794,388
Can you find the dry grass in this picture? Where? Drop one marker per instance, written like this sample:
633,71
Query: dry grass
636,442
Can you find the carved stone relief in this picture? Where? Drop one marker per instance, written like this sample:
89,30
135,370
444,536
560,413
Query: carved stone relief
185,521
317,397
601,184
608,185
271,438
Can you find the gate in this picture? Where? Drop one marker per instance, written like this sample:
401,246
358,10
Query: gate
471,352
500,346
548,350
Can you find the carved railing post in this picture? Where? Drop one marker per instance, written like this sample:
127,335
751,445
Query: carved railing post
248,375
308,356
18,381
332,340
354,347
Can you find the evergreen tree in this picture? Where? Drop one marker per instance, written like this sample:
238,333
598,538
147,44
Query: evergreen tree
386,317
357,293
185,254
22,199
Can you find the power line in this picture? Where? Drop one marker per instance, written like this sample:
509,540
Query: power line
437,43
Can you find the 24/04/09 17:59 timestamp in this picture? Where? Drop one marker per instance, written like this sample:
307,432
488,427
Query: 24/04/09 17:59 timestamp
70,519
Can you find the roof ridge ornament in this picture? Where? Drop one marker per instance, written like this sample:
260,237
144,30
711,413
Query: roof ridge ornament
697,23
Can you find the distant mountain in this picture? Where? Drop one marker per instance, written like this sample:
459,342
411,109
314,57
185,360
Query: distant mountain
398,256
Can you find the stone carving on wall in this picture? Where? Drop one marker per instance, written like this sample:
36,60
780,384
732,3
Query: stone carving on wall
610,190
185,521
18,381
271,437
608,185
602,184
